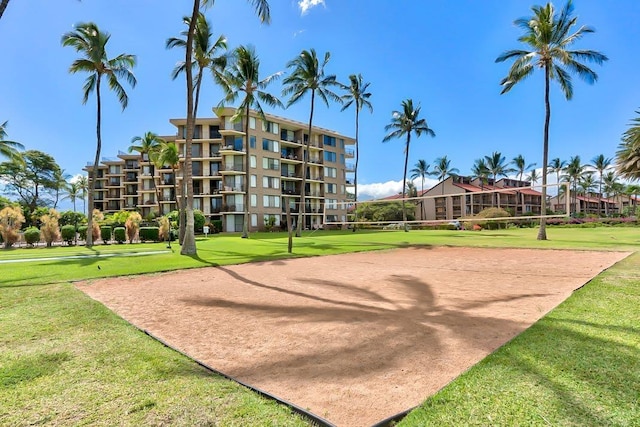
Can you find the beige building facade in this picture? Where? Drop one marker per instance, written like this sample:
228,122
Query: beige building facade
276,148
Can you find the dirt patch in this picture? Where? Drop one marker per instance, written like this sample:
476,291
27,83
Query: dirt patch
354,338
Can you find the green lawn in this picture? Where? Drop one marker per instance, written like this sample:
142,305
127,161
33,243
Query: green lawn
65,359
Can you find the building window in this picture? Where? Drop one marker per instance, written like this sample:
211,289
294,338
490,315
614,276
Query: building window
342,159
331,204
342,143
269,163
252,161
271,219
331,188
330,172
270,127
252,141
214,132
254,181
329,156
271,201
268,145
329,141
254,200
270,182
252,122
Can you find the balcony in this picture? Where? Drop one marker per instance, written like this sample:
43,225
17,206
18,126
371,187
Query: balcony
235,130
290,192
230,149
290,175
315,178
289,158
232,209
227,189
232,170
349,153
316,160
350,167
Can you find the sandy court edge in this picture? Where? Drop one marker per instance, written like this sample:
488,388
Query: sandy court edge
355,338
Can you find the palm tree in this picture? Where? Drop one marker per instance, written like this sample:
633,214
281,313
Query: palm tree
586,183
557,166
421,170
404,123
412,191
83,184
573,172
533,177
73,192
148,147
480,171
442,169
60,182
611,186
497,167
308,75
90,42
3,6
521,167
168,155
208,54
628,154
633,190
243,77
8,149
356,94
262,9
600,164
548,35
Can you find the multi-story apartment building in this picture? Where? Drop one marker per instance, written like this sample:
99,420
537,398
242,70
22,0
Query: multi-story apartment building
276,150
460,196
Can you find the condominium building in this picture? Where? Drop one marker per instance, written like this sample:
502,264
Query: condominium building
276,150
460,196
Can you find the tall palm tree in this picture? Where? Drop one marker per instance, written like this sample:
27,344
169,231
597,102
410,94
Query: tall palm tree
421,170
573,172
8,149
60,184
480,171
496,163
83,184
520,166
404,123
533,177
557,166
357,95
205,53
243,77
633,190
600,164
610,185
308,76
262,9
3,6
549,35
73,192
168,155
586,183
442,169
90,42
149,147
628,154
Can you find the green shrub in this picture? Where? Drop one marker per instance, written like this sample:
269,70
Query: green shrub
216,225
105,233
68,233
32,236
82,232
488,213
120,234
198,220
149,234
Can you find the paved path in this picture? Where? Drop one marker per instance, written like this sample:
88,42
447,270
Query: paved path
114,254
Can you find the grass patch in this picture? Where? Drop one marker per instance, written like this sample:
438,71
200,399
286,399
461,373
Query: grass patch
579,365
66,359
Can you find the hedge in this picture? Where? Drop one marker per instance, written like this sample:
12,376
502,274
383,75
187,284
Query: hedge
105,233
68,233
82,232
149,233
120,234
32,235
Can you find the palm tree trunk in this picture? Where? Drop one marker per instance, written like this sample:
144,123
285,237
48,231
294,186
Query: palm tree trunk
175,188
424,213
94,172
245,221
542,233
157,190
303,191
3,6
355,175
404,183
600,196
189,242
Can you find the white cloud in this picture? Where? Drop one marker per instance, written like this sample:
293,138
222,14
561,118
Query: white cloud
305,5
76,177
378,190
297,33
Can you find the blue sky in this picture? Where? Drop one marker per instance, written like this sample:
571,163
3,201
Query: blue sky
439,53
